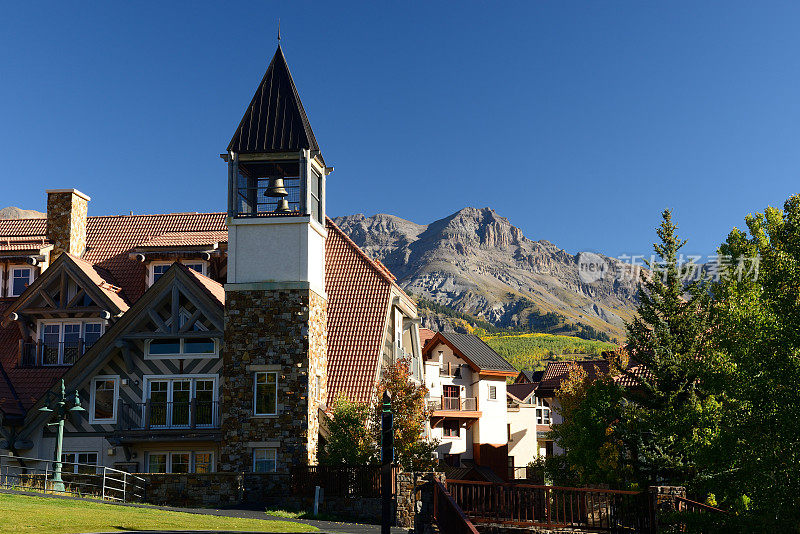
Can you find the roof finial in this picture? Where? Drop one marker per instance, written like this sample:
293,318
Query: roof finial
279,32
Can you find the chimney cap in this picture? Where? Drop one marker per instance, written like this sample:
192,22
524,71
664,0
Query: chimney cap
71,190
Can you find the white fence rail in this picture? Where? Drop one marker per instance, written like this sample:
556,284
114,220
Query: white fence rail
80,480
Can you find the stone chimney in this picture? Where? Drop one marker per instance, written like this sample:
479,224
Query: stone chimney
66,221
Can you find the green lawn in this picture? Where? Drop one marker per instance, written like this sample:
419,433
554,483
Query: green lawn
43,515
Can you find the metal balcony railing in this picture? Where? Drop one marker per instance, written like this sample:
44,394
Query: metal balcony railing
166,415
42,354
462,404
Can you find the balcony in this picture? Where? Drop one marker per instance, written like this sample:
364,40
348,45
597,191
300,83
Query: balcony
41,354
152,415
467,405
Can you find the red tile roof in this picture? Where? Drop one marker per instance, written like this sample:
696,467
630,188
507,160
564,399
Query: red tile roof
212,287
557,372
425,335
358,299
187,239
110,238
28,384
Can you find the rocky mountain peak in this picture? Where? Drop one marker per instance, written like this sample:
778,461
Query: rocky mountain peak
476,262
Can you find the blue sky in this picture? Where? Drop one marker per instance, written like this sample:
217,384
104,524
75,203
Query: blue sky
579,121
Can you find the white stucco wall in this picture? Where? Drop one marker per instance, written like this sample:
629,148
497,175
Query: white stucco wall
277,249
492,427
523,445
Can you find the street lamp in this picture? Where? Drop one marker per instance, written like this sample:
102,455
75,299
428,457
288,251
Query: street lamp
57,404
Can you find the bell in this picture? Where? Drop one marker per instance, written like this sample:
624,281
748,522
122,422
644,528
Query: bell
276,188
283,205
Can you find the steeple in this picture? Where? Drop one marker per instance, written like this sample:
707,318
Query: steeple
275,120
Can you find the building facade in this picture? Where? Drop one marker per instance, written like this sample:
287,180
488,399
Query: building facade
199,342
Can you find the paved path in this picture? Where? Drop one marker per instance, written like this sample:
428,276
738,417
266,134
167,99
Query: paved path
333,527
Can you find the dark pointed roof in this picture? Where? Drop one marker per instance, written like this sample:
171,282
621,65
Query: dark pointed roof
275,120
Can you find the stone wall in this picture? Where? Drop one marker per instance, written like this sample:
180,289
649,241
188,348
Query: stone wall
194,490
415,499
281,330
258,490
66,221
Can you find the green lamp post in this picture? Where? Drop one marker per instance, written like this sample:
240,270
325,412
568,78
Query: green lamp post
57,404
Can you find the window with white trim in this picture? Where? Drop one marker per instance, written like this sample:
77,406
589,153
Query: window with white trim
265,460
542,412
492,392
157,269
104,395
181,401
62,342
180,462
19,278
79,462
265,393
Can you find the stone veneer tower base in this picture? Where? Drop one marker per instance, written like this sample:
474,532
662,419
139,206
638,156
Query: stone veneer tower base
283,330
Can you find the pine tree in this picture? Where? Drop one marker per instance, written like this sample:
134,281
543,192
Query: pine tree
672,413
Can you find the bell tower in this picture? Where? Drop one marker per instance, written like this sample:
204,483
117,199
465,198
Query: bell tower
275,349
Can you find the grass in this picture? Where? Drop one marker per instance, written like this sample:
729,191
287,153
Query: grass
306,514
45,515
533,351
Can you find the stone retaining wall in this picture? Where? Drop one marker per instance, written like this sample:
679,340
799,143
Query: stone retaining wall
194,490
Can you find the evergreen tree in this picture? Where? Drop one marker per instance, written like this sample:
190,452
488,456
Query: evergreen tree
672,414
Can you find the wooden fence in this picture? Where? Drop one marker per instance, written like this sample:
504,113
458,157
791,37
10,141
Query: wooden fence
448,515
601,510
341,481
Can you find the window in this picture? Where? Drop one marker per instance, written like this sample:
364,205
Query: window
452,429
542,412
180,462
203,462
198,266
170,400
157,270
104,394
71,461
92,332
315,188
20,279
63,342
266,394
265,460
178,347
492,392
157,462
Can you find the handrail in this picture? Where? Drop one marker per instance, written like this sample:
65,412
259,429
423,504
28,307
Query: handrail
448,515
539,486
694,504
597,509
99,481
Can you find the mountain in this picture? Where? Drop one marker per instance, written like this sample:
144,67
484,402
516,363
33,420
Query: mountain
18,213
476,267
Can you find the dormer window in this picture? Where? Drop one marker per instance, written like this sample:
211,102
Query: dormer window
157,269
